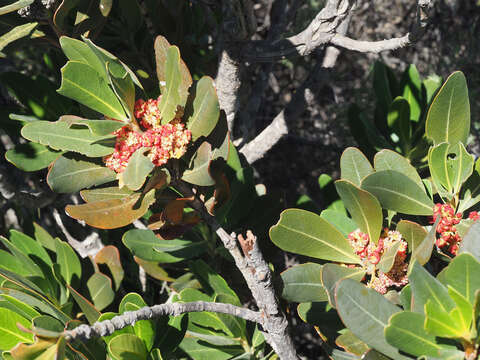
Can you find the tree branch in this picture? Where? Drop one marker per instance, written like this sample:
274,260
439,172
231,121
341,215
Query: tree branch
238,25
323,30
257,275
108,327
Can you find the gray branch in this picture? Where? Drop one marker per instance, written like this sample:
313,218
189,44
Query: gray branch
108,327
278,128
238,25
323,31
258,276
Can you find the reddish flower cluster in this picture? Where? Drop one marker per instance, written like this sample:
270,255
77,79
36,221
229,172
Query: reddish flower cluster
449,237
371,253
474,215
163,141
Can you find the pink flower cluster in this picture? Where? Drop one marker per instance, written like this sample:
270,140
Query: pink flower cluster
370,255
449,237
163,142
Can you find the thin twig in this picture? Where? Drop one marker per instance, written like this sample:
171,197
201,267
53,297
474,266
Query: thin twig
258,277
108,327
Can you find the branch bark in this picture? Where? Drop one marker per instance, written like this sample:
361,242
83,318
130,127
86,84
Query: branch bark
108,327
258,277
238,25
323,30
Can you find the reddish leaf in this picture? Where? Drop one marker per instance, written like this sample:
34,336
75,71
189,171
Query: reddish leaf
173,211
112,214
25,352
110,256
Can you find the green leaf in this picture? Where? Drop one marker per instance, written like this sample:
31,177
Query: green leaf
127,347
363,207
78,51
30,247
470,194
202,115
110,316
354,166
450,165
14,6
22,258
70,174
89,310
405,331
170,97
340,220
107,193
461,275
31,156
412,91
448,118
388,258
390,160
144,329
81,83
442,323
398,120
333,273
313,236
381,86
70,265
44,237
425,287
205,319
412,232
137,170
199,169
97,127
303,283
142,242
431,85
365,312
398,192
112,214
19,307
423,251
11,263
60,136
101,292
161,51
199,350
10,334
470,243
124,90
212,282
16,33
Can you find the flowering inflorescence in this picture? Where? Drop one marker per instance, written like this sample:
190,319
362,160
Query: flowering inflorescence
449,236
163,142
370,255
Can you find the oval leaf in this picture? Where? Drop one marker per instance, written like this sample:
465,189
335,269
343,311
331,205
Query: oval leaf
71,174
203,113
60,136
303,283
31,156
306,233
82,83
365,312
448,118
354,166
112,214
398,192
390,160
363,207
